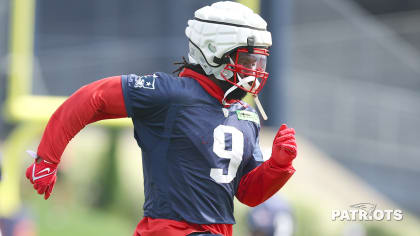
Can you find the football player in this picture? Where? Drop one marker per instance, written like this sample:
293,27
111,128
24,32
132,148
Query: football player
199,141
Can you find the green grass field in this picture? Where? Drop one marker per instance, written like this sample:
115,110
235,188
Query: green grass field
53,218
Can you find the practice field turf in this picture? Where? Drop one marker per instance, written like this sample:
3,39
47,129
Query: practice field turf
68,220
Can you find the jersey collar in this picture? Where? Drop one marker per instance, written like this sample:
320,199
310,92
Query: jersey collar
211,88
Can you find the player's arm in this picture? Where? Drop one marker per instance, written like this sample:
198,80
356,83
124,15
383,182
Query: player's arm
265,180
99,100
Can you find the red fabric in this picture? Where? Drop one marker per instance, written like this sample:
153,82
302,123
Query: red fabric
102,99
157,227
262,182
212,88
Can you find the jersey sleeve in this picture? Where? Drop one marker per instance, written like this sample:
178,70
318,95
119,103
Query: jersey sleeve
261,179
99,100
147,95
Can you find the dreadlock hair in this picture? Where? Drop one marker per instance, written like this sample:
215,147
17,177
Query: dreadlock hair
185,64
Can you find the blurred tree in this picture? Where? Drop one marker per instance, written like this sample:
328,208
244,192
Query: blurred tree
108,177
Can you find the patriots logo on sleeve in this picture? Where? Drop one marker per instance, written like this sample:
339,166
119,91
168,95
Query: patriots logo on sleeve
146,81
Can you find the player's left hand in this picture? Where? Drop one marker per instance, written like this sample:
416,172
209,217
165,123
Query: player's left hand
284,146
42,175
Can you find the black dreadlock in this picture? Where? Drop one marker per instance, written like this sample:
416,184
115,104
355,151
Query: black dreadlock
185,64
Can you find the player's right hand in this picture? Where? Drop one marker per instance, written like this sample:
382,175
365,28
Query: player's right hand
284,146
42,175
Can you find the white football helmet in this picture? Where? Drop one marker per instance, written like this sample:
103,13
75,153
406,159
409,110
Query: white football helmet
230,42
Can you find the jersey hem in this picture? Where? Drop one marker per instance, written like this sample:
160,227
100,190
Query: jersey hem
186,219
125,95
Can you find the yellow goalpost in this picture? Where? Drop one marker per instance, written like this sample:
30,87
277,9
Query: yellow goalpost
28,112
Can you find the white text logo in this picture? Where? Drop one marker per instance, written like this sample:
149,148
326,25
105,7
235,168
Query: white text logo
366,212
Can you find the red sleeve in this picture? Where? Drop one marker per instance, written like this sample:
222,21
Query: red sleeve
99,100
262,182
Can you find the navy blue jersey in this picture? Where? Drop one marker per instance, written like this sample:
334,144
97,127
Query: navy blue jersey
194,151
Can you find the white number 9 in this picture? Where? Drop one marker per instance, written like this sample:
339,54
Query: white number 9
235,155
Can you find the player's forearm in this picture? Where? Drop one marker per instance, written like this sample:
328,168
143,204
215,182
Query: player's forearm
262,182
99,100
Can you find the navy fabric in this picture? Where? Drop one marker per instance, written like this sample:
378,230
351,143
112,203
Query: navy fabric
174,121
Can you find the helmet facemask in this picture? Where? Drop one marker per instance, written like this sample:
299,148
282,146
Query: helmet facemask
247,72
247,69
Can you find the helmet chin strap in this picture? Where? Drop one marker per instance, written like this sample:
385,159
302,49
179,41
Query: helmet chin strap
245,83
260,107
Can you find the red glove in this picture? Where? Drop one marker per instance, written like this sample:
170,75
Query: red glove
42,175
284,147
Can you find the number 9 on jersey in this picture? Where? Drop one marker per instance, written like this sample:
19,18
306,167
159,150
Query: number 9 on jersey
235,154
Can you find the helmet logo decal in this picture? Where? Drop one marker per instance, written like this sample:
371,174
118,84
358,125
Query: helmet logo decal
212,48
